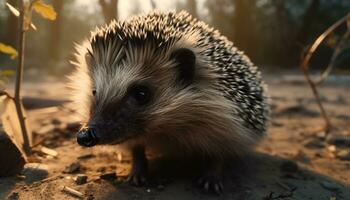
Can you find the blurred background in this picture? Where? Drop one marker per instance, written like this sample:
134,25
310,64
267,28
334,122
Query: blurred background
274,33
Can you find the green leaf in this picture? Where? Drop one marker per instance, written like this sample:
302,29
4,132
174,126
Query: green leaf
8,50
45,10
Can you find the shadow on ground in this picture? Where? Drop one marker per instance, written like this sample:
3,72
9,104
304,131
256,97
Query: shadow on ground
259,176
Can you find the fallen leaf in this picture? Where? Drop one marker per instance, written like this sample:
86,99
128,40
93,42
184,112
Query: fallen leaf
11,125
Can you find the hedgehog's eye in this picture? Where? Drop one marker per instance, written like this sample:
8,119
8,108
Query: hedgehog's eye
94,92
141,94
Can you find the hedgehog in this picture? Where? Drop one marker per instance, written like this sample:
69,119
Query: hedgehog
167,82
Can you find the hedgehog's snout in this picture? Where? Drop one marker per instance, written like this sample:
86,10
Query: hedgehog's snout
87,137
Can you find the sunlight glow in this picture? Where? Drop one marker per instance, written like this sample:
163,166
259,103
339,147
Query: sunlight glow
126,7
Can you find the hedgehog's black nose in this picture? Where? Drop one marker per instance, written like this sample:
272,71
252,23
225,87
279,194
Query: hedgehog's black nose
87,137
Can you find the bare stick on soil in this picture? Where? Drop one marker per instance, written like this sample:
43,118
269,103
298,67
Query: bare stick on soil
72,191
19,75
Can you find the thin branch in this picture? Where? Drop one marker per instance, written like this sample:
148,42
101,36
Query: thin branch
280,196
19,75
304,65
317,97
4,93
335,55
319,40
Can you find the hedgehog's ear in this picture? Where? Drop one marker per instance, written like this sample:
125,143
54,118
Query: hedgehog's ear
186,64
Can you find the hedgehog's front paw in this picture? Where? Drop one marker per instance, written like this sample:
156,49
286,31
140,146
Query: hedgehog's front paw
138,174
211,183
137,177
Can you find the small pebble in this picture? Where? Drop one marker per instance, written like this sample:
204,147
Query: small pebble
332,148
109,176
314,144
330,185
56,121
72,168
101,169
277,124
120,157
81,179
321,135
86,156
344,155
339,140
35,172
289,166
73,126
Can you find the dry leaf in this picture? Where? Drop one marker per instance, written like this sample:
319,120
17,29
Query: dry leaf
11,125
11,157
45,10
8,50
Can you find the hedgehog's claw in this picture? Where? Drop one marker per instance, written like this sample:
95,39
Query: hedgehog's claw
212,184
138,174
137,179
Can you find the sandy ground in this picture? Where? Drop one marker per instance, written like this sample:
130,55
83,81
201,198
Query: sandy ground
294,161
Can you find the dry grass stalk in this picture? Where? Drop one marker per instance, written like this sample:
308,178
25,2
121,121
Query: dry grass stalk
306,60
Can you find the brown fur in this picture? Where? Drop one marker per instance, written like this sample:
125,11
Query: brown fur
197,119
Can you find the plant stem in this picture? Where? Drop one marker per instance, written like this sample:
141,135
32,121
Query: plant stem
328,124
19,74
304,65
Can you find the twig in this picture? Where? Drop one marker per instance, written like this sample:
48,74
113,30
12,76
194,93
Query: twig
51,178
19,75
317,97
280,196
304,65
43,189
284,186
4,93
39,142
72,191
335,54
49,151
319,40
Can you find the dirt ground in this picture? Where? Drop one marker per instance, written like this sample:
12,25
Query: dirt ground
295,160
